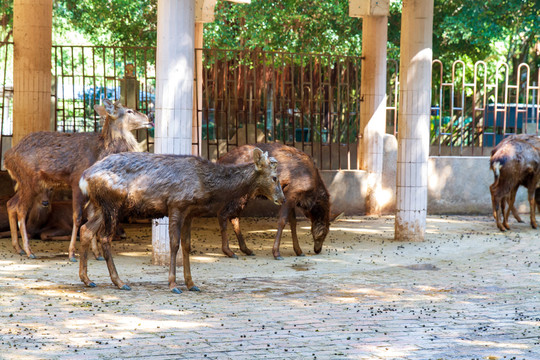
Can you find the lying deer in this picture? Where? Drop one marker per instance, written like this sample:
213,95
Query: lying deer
44,160
180,187
514,162
302,186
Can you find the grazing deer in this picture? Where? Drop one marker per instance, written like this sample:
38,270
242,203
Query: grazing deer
180,187
302,186
514,162
44,160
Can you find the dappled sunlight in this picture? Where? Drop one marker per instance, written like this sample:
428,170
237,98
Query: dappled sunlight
501,345
206,259
10,267
134,253
127,322
388,350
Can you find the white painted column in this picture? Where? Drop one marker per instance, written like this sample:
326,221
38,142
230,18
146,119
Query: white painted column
32,35
373,108
414,113
174,97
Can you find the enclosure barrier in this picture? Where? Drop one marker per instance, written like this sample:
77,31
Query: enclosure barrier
310,101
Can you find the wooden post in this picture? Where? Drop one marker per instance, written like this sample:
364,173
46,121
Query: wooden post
32,35
373,108
174,97
414,115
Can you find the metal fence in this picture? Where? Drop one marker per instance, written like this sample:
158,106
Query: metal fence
305,100
473,109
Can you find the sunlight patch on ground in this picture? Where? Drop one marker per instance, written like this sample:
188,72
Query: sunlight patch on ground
493,344
127,323
390,352
206,259
8,267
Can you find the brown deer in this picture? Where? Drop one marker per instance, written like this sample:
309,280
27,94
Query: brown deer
43,160
514,162
302,186
154,186
534,141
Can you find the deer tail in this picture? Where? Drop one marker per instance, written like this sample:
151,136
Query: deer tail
496,167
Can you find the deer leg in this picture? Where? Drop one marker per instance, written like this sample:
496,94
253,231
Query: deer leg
506,208
106,247
95,250
175,223
12,215
512,202
292,224
185,240
496,203
283,215
224,238
532,205
21,214
241,242
86,238
77,219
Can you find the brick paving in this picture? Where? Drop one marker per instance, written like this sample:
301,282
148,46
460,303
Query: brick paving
466,292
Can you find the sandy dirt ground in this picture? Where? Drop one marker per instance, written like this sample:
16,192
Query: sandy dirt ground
467,291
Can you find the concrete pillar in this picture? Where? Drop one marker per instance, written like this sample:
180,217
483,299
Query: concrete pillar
414,113
373,108
174,96
32,26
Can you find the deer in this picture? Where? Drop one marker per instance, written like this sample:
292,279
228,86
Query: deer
514,162
534,141
45,159
302,186
156,185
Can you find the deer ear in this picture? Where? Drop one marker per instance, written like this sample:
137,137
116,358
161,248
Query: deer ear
109,106
102,112
259,158
118,103
273,163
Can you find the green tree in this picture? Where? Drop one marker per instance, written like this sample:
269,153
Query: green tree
304,26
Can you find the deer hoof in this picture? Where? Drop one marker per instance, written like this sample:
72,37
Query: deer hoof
73,259
176,290
194,288
100,258
251,254
234,256
32,256
92,284
302,254
278,257
22,252
125,287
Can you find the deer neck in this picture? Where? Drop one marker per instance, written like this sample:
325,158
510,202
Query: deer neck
234,181
117,138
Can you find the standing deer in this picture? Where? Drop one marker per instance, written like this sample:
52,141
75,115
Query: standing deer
302,186
514,162
43,160
180,187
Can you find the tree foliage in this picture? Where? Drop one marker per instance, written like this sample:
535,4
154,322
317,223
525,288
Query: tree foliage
303,26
